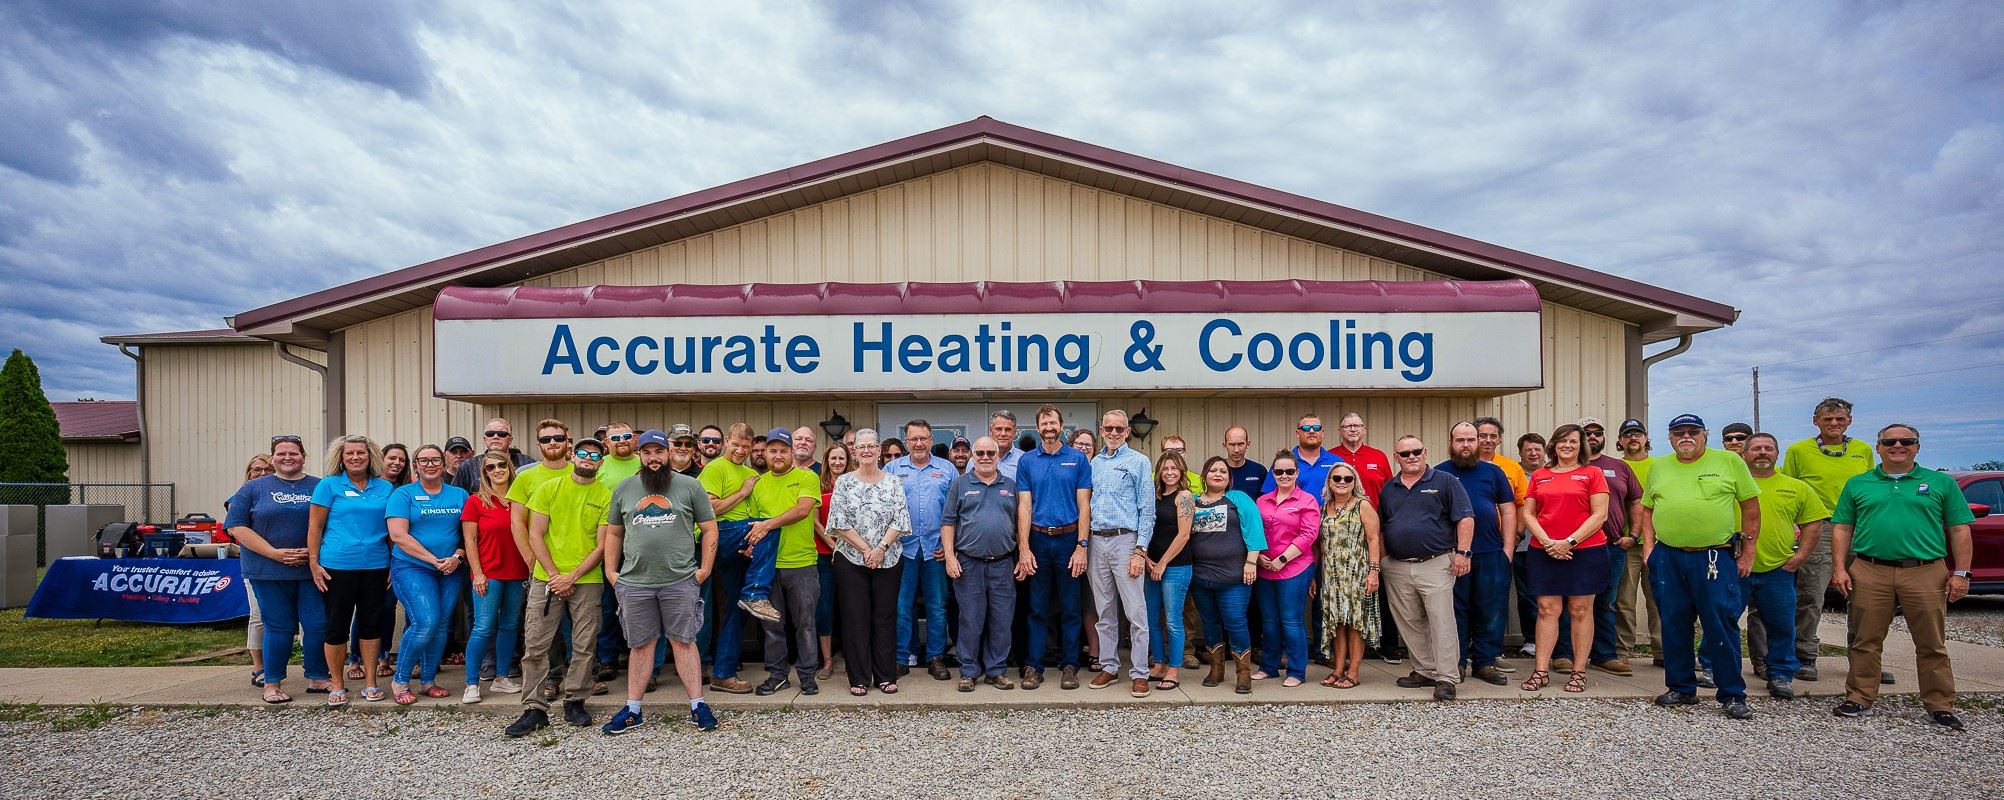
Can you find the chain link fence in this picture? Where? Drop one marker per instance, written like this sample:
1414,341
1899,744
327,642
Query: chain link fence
143,502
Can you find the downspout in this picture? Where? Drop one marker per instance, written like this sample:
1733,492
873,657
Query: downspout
1683,344
1641,376
325,423
145,442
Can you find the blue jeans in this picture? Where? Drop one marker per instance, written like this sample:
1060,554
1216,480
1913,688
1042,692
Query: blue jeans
824,609
289,605
1606,612
497,624
1165,615
1222,607
611,638
930,576
1771,595
1701,587
1057,609
738,578
1482,608
1283,608
428,599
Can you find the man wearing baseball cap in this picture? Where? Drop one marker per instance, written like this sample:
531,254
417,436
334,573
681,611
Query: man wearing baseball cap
1700,520
1734,436
960,453
457,448
660,545
1637,604
682,454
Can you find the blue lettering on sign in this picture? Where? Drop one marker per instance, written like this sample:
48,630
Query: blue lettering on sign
1222,346
882,350
681,355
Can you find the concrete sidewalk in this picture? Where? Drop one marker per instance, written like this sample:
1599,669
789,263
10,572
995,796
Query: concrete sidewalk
1978,669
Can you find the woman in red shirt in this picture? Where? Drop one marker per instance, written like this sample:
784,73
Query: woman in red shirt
836,461
1567,563
500,577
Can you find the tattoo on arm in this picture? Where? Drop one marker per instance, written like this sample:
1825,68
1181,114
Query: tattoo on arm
1185,507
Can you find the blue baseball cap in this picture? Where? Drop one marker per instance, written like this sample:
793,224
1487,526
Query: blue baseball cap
1686,421
651,436
779,435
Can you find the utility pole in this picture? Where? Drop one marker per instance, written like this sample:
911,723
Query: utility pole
1756,398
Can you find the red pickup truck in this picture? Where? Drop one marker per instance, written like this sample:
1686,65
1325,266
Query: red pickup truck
1985,491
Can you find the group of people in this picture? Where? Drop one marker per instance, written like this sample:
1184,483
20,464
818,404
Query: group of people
608,544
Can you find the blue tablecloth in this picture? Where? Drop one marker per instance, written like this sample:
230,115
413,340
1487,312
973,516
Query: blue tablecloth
172,590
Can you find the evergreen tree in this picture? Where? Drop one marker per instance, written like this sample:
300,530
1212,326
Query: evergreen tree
31,444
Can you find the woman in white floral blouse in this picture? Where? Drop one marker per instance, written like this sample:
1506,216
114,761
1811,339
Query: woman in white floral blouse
867,516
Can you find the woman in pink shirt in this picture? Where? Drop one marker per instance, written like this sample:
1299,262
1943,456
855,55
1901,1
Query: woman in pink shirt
1293,520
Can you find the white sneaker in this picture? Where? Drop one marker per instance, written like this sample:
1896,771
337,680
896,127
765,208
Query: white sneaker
502,685
471,695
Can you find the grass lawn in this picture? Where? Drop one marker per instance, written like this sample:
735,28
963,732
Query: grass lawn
88,643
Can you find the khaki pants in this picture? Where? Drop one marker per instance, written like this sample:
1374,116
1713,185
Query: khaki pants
1422,599
541,619
1636,601
1918,594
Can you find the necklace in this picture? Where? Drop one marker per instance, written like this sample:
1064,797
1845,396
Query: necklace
1841,447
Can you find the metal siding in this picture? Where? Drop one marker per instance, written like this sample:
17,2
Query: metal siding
210,407
104,462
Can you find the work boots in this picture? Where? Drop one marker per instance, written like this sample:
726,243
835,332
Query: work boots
1243,661
1214,656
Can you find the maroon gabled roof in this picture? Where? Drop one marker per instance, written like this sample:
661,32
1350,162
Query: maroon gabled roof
985,127
98,419
982,297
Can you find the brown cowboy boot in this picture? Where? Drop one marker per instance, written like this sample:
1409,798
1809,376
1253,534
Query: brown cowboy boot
1214,656
1244,662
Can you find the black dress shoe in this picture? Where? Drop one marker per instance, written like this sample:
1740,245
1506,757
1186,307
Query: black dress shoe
575,713
1414,680
1676,698
532,720
1490,674
1443,690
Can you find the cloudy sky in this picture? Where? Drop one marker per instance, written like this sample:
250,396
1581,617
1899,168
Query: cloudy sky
1835,170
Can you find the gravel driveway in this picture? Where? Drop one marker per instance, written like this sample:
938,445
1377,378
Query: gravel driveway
1617,748
1976,619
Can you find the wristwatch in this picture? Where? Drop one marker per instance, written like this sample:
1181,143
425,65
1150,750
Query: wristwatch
1082,542
1960,573
1141,551
1282,558
1465,553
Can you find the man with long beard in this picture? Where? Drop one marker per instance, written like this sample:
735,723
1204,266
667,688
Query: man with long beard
652,534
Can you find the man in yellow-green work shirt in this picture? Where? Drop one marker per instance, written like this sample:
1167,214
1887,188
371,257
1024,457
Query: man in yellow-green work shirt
784,501
565,518
743,578
1791,522
1824,461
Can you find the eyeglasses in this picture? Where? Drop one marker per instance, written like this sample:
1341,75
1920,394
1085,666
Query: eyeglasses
1352,427
1734,437
1904,441
286,437
430,461
1283,472
1113,428
1311,429
1340,479
1687,433
500,468
589,455
681,445
496,434
553,439
1411,453
711,440
619,437
987,453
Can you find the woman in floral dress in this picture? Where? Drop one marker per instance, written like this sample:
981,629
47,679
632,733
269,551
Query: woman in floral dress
1350,549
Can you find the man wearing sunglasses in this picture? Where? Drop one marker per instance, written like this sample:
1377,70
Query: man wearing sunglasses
1734,437
621,461
709,444
497,436
986,553
683,457
1429,535
1700,522
1826,462
1313,460
564,542
1908,528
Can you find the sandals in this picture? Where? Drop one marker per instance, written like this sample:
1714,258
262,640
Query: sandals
354,672
337,698
1538,680
276,697
858,691
1345,682
1577,683
1167,684
319,687
405,697
436,690
1331,680
374,694
888,687
385,669
257,679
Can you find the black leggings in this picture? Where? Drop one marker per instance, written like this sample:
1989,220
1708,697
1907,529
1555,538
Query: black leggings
868,602
355,595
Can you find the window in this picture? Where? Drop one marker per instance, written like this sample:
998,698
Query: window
1987,492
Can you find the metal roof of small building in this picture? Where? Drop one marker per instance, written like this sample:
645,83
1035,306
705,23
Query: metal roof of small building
98,420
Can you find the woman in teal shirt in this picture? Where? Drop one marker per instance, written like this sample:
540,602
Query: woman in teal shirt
348,552
427,568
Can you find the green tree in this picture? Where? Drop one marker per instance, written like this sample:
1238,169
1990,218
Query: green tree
31,445
1991,465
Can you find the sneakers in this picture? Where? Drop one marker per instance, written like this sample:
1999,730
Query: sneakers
772,684
1069,679
1738,709
1676,698
1851,709
810,684
1139,688
1946,719
732,685
1705,680
626,720
504,686
471,695
1562,665
1615,667
703,717
760,608
1886,677
1781,688
575,713
532,720
1392,657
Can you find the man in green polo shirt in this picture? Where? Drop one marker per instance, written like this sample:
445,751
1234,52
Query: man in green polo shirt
1694,505
1901,521
1788,509
1824,461
566,521
784,501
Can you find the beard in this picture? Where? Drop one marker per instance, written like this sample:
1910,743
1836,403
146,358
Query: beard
656,479
1465,462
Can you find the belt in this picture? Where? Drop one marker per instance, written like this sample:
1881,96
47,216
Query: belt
1702,549
1010,554
1112,531
1899,563
1423,558
1056,530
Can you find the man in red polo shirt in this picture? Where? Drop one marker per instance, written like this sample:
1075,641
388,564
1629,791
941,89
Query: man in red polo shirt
1372,465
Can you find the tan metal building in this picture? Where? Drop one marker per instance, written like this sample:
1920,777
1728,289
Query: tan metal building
978,201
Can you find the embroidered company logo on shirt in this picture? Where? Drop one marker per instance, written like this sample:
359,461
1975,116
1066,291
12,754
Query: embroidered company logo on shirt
291,499
439,511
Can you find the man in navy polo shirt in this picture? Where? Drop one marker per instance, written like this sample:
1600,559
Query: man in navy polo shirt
1247,475
1054,493
1428,529
1482,597
985,555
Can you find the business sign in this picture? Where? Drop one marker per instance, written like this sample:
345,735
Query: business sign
855,353
174,590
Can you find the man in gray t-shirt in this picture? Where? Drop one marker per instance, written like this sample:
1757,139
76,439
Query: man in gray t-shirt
656,571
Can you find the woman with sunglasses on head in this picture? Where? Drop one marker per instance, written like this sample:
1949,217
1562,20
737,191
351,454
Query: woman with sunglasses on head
348,554
1292,518
1227,536
1350,550
427,567
1567,563
891,450
835,463
259,466
268,518
1169,564
499,576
